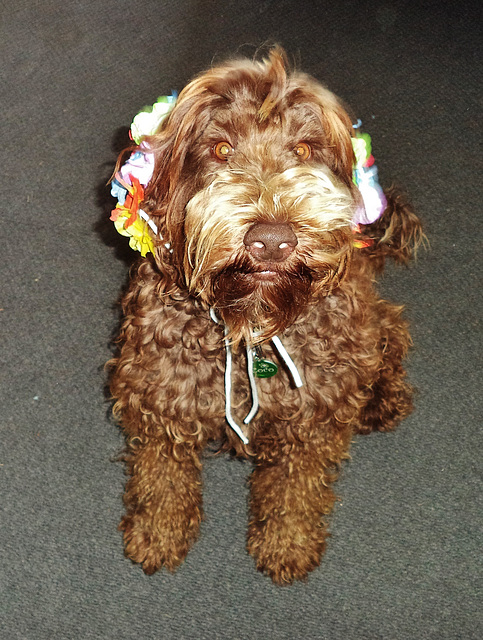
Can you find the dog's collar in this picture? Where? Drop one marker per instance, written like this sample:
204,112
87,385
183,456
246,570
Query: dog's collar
129,182
250,351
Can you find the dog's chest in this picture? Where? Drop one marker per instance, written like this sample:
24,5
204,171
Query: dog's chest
215,377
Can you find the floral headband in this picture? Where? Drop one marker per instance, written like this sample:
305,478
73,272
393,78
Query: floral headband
129,182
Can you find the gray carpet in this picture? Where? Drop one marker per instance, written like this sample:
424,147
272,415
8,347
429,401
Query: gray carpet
404,558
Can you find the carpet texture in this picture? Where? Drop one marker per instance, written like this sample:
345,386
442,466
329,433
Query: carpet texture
404,560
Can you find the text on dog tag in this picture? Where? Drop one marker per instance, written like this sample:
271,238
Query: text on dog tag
264,368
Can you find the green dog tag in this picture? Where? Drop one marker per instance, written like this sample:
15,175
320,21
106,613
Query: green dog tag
264,368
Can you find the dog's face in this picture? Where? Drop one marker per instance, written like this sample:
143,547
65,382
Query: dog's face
253,190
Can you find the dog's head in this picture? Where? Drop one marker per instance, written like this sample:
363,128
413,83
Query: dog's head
253,190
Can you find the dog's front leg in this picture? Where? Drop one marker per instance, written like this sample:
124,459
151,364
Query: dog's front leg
163,500
290,494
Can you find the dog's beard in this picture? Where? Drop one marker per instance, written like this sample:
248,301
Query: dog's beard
255,306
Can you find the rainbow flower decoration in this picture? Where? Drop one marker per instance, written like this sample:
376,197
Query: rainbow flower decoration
127,218
366,179
129,182
147,121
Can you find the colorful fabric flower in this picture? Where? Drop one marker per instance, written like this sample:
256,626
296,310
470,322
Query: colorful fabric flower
148,121
126,216
366,179
139,238
140,166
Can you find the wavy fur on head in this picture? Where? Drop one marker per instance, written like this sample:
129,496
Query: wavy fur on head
284,164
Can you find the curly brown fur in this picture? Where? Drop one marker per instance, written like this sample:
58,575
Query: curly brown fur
314,290
397,234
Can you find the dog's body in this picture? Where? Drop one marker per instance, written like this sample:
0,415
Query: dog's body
253,192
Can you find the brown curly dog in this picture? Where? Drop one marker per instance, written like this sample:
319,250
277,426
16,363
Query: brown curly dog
262,261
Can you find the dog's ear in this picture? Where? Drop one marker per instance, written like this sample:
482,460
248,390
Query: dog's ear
397,234
173,142
170,188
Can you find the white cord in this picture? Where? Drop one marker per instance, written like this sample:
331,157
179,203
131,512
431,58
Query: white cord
228,369
153,227
282,352
277,343
253,387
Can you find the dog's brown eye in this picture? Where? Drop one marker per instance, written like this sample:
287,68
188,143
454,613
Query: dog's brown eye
222,150
302,151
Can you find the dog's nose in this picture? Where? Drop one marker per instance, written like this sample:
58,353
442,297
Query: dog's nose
270,242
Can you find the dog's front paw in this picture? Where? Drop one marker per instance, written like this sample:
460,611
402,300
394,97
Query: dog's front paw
286,548
155,544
